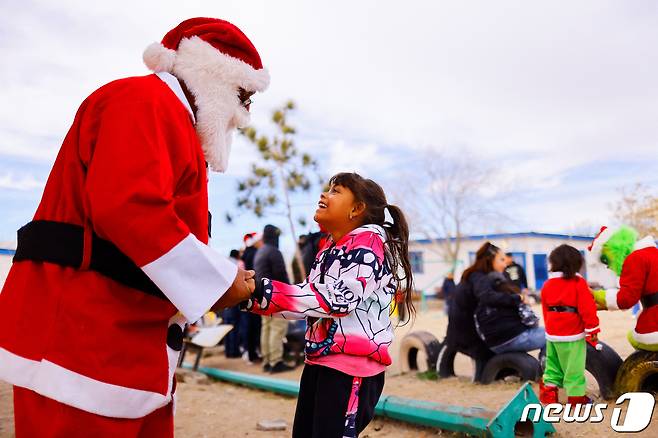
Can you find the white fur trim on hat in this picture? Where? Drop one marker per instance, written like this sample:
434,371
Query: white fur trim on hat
197,51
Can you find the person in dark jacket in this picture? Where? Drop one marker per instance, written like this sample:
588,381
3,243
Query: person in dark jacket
448,290
269,263
516,273
231,315
250,324
461,335
497,318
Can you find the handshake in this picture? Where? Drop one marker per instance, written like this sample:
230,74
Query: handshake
241,290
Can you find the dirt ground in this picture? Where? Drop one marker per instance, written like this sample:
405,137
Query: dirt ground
215,409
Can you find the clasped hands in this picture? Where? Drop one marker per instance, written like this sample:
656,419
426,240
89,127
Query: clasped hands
241,290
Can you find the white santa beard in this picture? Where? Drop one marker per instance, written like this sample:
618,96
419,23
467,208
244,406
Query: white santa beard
219,110
217,118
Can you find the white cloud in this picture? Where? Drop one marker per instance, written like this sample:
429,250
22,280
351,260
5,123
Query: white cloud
23,183
539,89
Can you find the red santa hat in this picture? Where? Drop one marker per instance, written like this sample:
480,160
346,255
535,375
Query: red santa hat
214,59
251,238
596,247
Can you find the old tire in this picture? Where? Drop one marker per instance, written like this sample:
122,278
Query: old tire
445,364
419,351
518,364
638,373
604,366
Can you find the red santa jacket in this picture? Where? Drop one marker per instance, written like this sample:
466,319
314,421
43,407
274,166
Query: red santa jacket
130,169
639,277
568,326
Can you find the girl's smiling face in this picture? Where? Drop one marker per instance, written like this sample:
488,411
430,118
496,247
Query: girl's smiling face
338,210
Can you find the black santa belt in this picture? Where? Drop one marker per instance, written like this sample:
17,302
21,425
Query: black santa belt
649,300
563,309
63,244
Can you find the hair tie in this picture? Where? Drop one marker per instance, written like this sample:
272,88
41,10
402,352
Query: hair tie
388,218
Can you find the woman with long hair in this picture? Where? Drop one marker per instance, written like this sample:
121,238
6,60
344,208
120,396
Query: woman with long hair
462,335
502,320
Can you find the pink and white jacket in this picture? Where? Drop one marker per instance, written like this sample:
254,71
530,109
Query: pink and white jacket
346,301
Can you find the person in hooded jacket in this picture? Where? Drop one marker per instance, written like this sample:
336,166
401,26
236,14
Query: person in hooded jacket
249,323
461,335
269,263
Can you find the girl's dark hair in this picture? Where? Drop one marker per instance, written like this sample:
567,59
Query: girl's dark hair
483,260
397,233
566,259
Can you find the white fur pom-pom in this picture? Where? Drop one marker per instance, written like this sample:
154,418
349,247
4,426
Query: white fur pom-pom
158,58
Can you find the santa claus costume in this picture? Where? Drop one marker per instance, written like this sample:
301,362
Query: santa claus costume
636,263
116,259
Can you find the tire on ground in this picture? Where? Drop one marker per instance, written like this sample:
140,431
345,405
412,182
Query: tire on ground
419,351
445,363
604,366
638,373
511,364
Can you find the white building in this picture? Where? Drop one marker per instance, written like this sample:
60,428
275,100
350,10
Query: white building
530,250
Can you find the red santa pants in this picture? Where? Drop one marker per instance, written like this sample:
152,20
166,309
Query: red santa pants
39,416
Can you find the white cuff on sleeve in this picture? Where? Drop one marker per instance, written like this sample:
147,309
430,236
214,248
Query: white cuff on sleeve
611,299
193,276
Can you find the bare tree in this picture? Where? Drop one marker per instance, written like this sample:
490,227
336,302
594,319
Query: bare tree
280,171
637,207
446,196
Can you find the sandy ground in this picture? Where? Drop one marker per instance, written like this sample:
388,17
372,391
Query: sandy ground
214,409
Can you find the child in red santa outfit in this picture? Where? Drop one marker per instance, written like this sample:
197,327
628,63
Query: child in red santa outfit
570,318
345,301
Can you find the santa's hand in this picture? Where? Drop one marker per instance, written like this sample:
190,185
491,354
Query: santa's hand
243,286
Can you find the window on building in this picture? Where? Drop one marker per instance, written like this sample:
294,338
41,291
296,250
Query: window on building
416,260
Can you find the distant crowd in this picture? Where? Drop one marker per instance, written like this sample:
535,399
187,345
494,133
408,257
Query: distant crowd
275,343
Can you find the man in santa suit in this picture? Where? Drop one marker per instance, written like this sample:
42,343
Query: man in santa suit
116,260
636,263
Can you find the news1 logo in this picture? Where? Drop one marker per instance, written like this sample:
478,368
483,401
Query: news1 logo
638,413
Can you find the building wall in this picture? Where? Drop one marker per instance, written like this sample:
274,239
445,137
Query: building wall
524,246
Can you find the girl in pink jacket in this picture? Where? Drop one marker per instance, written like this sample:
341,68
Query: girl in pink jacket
346,302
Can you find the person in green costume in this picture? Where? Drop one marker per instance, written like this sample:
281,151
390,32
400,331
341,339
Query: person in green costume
635,262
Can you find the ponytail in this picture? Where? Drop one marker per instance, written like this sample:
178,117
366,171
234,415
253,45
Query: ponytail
397,233
397,242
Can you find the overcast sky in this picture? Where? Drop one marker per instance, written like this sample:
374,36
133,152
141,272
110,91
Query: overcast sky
560,97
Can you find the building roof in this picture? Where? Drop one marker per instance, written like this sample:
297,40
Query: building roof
513,236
